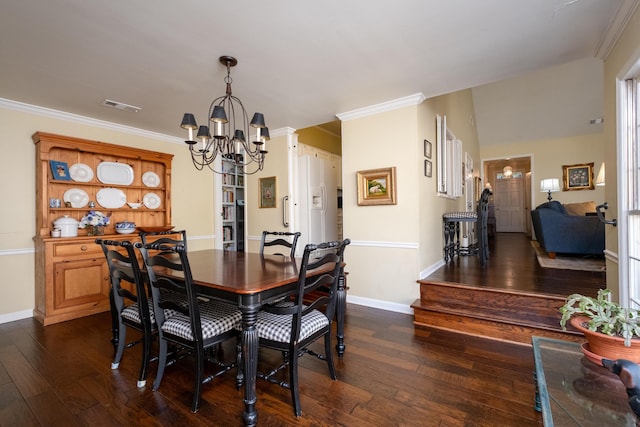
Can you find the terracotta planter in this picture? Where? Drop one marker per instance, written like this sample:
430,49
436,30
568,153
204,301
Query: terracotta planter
606,346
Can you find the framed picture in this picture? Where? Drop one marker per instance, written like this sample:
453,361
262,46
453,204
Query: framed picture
59,170
577,177
267,192
377,187
428,168
427,149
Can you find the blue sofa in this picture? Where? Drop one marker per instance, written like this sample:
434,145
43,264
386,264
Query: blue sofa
558,231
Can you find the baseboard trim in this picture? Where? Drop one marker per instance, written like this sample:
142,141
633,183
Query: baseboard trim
383,305
17,315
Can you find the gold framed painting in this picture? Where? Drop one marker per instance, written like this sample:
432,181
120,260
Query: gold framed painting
577,177
267,190
377,187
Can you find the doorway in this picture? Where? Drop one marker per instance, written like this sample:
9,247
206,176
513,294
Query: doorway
508,196
510,181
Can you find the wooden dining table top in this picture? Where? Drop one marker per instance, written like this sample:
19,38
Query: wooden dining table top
241,272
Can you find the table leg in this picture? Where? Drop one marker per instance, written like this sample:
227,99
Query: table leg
250,359
341,306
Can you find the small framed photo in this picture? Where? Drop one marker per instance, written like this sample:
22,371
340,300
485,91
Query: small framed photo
59,170
577,177
428,171
427,149
377,187
267,190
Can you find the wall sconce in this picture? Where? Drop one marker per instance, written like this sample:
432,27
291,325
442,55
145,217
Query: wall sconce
550,185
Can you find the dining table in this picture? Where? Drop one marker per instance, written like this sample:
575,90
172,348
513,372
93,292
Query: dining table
251,280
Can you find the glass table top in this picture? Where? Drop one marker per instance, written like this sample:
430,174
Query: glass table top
574,391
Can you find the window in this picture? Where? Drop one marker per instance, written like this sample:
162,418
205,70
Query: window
629,211
449,161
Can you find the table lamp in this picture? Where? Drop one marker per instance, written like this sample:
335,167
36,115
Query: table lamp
550,185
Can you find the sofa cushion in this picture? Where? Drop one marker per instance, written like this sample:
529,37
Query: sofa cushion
554,204
580,208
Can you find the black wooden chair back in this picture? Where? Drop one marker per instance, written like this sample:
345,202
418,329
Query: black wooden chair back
284,239
129,303
198,325
144,236
290,326
482,227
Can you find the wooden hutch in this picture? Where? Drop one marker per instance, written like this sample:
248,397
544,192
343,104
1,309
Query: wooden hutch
71,273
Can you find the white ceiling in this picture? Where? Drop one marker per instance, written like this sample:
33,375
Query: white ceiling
300,63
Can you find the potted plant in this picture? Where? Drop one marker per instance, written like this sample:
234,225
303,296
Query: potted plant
612,331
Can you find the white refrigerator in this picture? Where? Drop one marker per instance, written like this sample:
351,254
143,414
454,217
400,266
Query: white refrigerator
318,203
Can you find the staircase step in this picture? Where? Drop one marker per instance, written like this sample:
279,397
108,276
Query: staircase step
492,313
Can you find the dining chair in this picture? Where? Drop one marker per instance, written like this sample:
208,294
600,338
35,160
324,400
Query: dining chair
144,236
129,303
284,239
200,325
292,326
482,227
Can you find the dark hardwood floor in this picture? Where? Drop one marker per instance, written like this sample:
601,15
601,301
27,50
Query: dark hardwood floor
513,265
392,374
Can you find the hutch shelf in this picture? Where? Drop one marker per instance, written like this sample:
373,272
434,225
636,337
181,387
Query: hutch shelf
72,277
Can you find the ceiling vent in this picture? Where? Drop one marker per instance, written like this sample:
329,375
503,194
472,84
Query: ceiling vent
121,106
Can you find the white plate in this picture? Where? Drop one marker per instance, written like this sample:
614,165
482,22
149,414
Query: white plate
112,198
151,200
77,197
150,179
81,172
115,173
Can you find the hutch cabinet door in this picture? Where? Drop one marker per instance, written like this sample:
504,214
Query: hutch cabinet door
81,285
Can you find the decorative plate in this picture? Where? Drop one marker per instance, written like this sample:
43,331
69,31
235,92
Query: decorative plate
115,173
77,197
150,179
156,228
112,198
81,172
151,200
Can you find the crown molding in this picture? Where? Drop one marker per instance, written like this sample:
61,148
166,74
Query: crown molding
616,27
75,118
383,107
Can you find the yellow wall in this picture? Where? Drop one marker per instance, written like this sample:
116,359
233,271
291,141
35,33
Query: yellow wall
259,219
626,51
547,158
458,107
192,196
393,244
383,259
318,138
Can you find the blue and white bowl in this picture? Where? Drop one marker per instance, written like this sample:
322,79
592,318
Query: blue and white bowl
125,227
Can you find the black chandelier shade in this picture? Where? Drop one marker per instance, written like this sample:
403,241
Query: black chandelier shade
227,133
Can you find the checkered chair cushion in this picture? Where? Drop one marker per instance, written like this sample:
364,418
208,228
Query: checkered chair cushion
132,313
460,215
277,327
216,318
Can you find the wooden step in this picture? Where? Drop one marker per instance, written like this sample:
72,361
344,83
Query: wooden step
491,313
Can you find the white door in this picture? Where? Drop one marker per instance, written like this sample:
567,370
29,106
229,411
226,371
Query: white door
509,205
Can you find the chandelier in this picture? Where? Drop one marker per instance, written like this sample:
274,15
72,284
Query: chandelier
230,125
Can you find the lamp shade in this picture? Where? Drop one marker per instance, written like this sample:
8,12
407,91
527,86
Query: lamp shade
600,178
258,120
189,122
550,185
